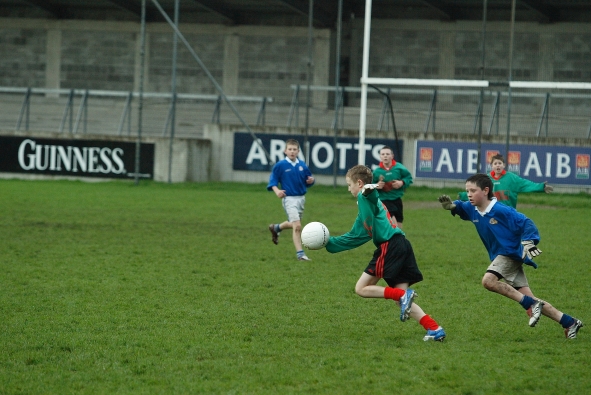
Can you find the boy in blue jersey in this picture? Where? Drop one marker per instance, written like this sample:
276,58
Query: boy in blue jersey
294,177
510,239
394,258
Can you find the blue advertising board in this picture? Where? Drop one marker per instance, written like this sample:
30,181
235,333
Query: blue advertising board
248,154
457,161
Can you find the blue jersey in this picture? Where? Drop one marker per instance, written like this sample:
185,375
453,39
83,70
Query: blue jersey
501,229
291,177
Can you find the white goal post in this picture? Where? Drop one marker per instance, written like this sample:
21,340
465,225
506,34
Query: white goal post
366,81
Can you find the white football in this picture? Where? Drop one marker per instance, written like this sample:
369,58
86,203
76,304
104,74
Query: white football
315,236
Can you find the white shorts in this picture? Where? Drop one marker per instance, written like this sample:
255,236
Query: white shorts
294,207
512,271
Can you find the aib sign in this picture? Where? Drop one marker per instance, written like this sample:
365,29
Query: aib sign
555,164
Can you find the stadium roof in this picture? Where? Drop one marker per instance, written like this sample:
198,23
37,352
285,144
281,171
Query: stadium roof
295,12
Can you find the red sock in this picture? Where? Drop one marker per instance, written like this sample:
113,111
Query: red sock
393,293
428,323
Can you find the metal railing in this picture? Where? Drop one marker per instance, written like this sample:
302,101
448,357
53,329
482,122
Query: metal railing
469,110
74,123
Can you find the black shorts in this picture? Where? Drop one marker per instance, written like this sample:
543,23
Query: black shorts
395,209
395,262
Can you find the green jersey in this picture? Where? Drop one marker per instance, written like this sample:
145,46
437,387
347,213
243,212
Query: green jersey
394,173
507,186
373,222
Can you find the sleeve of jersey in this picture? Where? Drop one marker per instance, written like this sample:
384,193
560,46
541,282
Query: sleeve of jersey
460,210
530,231
530,186
406,176
308,173
375,178
273,178
371,201
350,240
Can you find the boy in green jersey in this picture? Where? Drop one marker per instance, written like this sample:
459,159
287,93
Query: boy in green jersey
393,260
392,179
506,186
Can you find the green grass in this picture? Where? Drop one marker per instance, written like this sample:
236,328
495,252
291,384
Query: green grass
159,288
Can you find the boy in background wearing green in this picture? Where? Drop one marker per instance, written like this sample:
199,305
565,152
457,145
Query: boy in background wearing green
393,260
506,185
392,179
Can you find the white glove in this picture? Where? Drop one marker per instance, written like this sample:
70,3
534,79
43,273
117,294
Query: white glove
367,188
548,188
446,202
530,250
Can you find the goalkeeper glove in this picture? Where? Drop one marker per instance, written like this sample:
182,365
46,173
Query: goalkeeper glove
446,202
368,188
530,250
548,188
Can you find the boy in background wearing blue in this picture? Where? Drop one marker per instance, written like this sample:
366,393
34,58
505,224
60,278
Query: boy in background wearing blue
294,177
394,258
510,239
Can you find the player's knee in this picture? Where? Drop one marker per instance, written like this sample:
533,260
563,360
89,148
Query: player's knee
489,282
297,227
360,290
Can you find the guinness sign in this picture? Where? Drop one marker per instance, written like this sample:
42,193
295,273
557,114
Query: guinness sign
82,158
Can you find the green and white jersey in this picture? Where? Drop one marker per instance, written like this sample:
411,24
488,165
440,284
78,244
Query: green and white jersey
507,186
373,222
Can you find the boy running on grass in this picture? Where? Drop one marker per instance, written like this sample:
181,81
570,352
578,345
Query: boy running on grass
393,260
510,239
294,177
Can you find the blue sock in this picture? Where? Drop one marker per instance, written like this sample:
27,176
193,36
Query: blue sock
277,228
300,253
567,321
527,301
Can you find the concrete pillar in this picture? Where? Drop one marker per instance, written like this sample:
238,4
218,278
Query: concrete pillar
355,61
321,67
546,65
231,64
138,62
54,60
447,47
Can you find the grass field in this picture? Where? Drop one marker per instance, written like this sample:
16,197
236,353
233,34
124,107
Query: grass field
158,288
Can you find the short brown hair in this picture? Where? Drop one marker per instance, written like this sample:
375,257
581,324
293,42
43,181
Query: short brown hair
497,157
360,172
292,142
387,147
482,181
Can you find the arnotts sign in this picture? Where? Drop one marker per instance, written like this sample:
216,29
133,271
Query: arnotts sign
82,158
248,154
